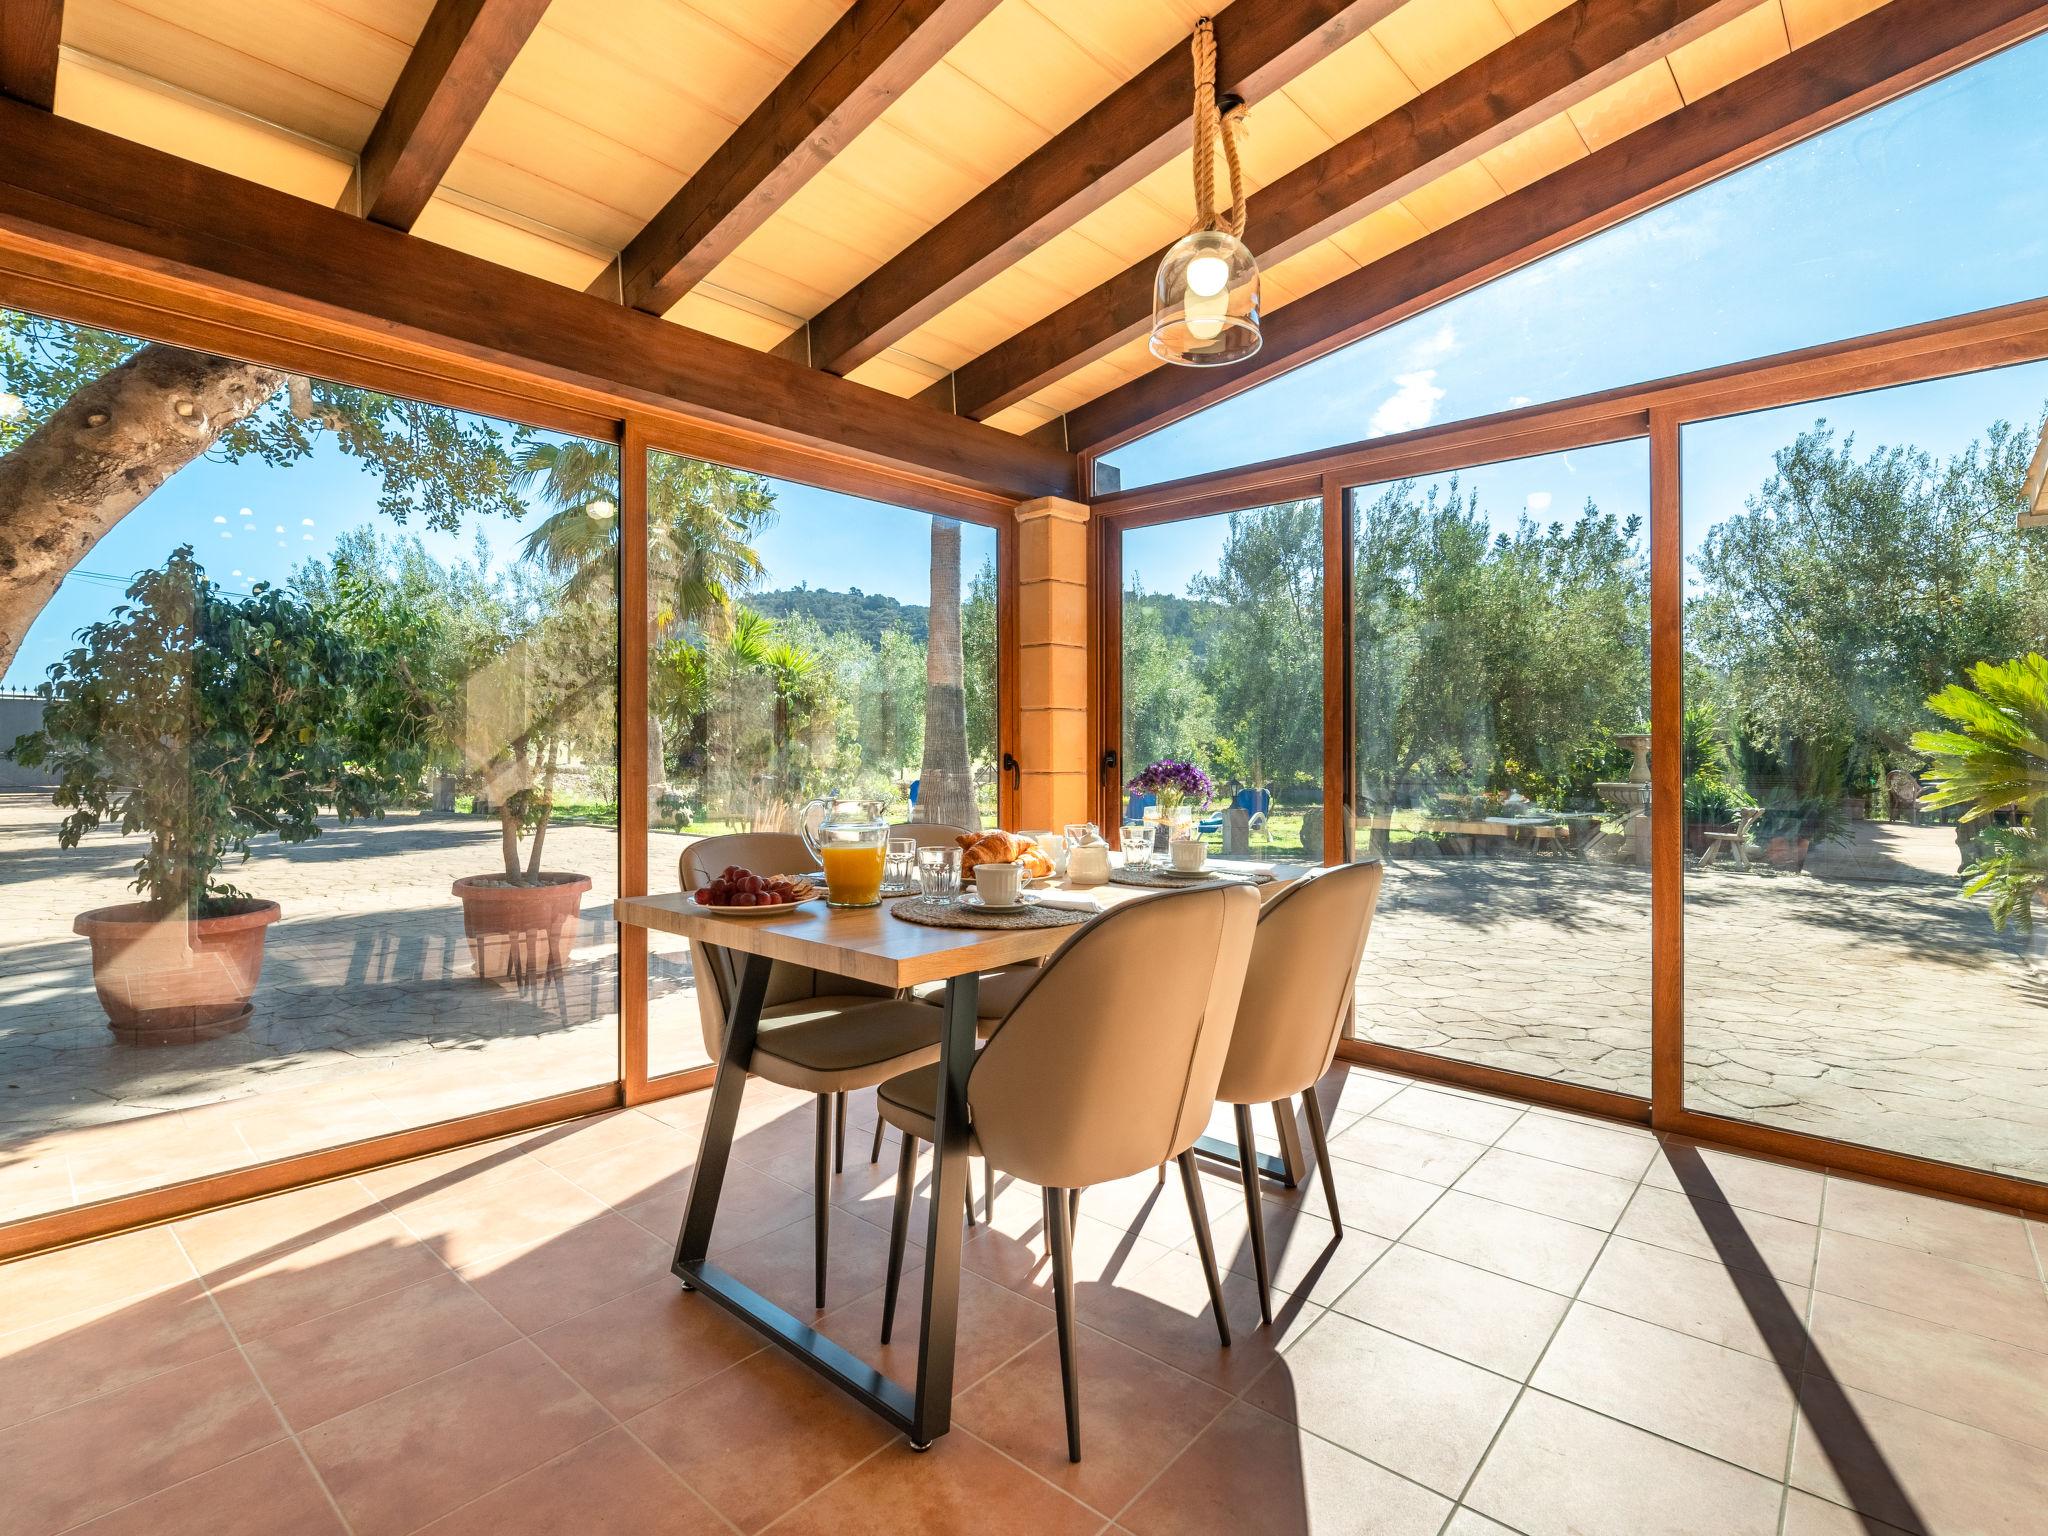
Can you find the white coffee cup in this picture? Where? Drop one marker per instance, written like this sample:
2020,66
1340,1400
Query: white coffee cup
999,885
1189,854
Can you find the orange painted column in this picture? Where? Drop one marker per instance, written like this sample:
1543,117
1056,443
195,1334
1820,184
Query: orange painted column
1052,663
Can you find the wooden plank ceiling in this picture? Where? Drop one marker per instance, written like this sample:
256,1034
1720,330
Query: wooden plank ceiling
954,199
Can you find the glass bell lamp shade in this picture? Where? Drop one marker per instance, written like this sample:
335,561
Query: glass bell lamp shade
1205,303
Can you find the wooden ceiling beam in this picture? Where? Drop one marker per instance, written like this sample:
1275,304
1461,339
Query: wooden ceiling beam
1555,65
1140,126
872,54
134,220
463,51
29,34
1865,63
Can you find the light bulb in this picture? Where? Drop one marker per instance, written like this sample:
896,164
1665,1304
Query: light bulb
1205,312
1208,276
600,511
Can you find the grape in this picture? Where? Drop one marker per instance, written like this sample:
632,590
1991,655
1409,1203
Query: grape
704,897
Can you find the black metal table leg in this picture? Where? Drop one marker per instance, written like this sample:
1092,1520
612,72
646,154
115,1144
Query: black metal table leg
1219,1150
933,1413
728,1086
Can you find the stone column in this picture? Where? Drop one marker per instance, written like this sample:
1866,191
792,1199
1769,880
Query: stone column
1052,663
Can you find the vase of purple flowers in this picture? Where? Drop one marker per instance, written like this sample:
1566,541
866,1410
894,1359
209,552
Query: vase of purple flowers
1178,788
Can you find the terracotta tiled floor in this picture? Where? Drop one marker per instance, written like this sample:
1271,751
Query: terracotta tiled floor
1533,1324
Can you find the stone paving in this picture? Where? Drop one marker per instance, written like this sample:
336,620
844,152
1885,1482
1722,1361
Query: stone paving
1879,1009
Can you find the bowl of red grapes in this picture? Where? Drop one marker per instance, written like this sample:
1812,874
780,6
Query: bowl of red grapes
739,889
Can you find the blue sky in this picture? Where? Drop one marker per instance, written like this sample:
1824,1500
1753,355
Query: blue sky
1932,206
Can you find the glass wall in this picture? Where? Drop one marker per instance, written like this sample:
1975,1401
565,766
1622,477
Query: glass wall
308,831
803,643
1930,206
1865,702
1223,668
1501,687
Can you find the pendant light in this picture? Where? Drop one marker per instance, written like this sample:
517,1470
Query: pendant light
1205,301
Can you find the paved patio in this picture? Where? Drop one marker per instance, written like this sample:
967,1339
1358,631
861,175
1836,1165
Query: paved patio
1881,1010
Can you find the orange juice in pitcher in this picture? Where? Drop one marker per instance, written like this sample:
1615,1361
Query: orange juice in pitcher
851,842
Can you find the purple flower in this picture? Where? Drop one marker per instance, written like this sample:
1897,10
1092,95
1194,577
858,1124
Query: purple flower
1174,783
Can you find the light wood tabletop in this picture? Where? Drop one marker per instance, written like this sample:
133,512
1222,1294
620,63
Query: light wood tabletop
871,945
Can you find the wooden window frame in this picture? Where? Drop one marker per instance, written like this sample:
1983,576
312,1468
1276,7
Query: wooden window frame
1657,412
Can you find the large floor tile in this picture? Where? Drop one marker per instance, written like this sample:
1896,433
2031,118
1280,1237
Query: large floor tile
341,1360
1743,1309
958,1485
1137,1414
1164,1310
52,1365
470,1223
758,1439
647,1345
111,1450
1917,1470
90,1278
1997,1387
261,1494
612,1484
994,1324
750,1204
1949,1229
1553,1189
584,1267
1405,1149
1721,1401
1806,1515
782,1266
1737,1178
1306,1256
1728,1235
1250,1471
1450,1114
1993,1302
1620,1152
398,1462
1421,1413
1481,1317
1560,1470
1523,1245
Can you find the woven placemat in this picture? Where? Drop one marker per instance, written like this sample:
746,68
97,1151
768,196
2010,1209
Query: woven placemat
946,914
1167,880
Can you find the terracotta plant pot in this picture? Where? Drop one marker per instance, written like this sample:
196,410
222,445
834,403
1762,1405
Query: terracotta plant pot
505,923
171,981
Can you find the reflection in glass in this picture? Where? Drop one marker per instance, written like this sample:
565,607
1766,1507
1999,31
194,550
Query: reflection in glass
1501,679
1223,668
1863,772
309,821
803,644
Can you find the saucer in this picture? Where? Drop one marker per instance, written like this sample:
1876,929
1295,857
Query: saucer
973,899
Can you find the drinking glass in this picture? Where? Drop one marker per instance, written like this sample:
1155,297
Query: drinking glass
938,873
1136,841
902,853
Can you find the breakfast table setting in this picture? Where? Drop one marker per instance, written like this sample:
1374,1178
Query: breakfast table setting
891,912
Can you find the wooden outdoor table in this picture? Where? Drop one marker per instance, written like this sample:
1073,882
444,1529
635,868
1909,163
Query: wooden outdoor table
870,945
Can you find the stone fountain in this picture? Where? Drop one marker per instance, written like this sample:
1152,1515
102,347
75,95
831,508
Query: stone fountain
1631,800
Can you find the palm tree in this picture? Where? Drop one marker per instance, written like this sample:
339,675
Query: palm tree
702,520
1997,760
946,787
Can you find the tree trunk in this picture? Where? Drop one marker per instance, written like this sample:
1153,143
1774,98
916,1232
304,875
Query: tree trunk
100,455
946,791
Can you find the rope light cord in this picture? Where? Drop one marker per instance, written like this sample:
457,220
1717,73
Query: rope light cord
1211,124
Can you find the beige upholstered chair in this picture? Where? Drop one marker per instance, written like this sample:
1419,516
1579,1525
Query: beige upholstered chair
928,834
820,1033
1303,967
1106,1066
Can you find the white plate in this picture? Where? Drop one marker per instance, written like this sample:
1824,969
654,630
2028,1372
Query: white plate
973,899
776,910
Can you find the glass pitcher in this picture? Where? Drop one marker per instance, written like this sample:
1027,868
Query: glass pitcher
850,840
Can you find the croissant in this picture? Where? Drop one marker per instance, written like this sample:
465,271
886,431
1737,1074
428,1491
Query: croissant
1002,848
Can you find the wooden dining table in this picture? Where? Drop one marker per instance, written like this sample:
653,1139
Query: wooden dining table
869,944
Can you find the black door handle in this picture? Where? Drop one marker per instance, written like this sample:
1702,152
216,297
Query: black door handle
1107,769
1014,770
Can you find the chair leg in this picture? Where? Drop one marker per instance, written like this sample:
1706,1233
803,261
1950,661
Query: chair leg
875,1152
1198,1212
899,1230
839,1134
1248,1162
1059,1238
1073,1208
1320,1138
821,1192
988,1192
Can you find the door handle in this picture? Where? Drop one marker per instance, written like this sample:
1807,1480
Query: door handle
1015,770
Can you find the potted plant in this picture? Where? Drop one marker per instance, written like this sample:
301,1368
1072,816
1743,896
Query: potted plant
1995,760
1710,806
1178,788
205,722
524,709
